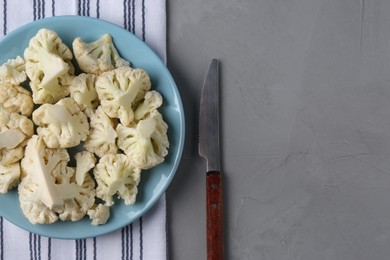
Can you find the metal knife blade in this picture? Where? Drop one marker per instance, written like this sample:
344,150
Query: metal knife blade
209,119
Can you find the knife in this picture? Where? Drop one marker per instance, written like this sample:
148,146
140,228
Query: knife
209,150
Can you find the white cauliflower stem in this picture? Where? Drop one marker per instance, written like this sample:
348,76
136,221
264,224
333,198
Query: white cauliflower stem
115,175
146,144
77,198
120,89
102,136
48,189
16,99
43,171
98,56
15,130
62,124
48,66
32,207
85,161
82,90
38,195
13,71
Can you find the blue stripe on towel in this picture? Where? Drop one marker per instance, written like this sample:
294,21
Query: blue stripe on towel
4,17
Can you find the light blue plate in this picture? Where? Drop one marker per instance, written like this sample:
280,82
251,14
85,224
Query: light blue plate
153,182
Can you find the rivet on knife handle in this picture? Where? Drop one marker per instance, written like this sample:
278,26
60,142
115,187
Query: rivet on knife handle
215,246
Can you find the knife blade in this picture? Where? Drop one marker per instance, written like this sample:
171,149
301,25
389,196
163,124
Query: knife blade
209,149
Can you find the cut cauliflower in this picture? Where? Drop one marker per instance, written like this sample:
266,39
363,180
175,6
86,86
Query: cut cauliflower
38,194
108,93
48,189
102,136
51,42
120,89
98,56
15,130
151,102
115,175
16,99
82,90
32,207
146,143
9,176
85,161
62,124
49,67
77,199
99,214
13,71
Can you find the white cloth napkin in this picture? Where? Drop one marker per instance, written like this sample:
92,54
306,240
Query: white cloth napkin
143,239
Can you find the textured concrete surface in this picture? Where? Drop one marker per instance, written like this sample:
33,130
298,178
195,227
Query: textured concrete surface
305,127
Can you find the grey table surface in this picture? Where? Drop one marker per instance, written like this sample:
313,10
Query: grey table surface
305,93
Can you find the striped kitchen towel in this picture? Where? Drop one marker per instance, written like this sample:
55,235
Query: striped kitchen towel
143,239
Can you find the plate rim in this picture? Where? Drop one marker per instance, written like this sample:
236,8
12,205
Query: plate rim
181,130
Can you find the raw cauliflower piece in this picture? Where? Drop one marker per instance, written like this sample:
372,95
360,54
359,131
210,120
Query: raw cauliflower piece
49,67
48,189
13,71
120,89
32,207
51,42
99,214
85,161
115,175
102,136
16,99
77,199
146,143
38,194
82,90
151,102
98,56
9,176
15,130
62,124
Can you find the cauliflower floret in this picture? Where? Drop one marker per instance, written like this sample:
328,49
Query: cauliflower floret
120,89
146,143
32,207
16,99
85,161
78,199
38,194
13,71
99,214
9,176
62,124
48,65
48,189
15,130
82,90
98,56
102,136
151,102
115,175
51,42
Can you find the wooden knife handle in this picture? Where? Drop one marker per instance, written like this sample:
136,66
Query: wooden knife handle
215,247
